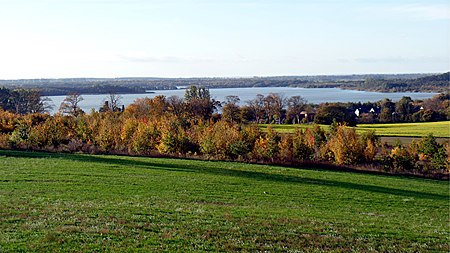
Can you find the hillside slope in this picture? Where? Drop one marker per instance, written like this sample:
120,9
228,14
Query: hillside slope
70,202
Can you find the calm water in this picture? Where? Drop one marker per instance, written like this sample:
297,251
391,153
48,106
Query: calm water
312,95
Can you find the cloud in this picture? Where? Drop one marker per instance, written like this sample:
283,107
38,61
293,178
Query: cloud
423,11
144,58
400,59
150,59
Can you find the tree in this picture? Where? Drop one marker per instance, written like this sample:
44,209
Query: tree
273,106
404,108
199,103
296,105
70,105
231,111
5,99
112,103
257,107
326,113
175,105
26,101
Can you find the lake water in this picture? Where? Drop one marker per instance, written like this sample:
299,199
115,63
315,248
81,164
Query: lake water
312,95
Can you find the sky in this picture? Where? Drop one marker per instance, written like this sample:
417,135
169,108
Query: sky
227,38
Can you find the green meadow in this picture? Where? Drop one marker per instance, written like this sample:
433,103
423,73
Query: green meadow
438,129
76,203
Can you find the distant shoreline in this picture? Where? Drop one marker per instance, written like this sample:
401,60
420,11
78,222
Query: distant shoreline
388,83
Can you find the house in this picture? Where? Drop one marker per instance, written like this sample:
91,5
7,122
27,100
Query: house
309,116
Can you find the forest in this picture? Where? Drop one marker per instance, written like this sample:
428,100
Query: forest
372,82
192,127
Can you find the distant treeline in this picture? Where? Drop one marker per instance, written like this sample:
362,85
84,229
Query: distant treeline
377,82
435,83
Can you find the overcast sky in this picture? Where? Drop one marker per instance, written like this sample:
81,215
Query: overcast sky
196,38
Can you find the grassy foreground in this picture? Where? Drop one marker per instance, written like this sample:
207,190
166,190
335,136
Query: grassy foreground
438,129
72,202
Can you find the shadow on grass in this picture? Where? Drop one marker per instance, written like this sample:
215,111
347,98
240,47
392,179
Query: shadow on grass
150,163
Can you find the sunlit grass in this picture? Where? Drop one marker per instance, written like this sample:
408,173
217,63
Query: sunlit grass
71,202
438,129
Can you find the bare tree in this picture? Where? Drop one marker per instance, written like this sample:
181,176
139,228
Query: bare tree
70,105
112,103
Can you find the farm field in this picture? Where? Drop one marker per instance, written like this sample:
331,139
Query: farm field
74,202
438,129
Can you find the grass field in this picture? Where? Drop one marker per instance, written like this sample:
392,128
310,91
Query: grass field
73,202
438,129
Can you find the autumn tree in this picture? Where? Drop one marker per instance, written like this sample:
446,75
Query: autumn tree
148,107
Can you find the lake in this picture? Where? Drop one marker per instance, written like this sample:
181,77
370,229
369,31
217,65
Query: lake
312,95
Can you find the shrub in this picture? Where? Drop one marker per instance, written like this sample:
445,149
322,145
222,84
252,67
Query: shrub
145,137
301,150
400,160
19,138
4,141
128,130
8,121
174,138
286,148
53,132
108,135
222,139
267,146
371,143
435,153
346,146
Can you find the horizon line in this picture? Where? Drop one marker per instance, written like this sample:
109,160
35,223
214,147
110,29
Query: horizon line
227,77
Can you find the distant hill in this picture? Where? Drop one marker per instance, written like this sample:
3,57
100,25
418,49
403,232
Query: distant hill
431,83
124,85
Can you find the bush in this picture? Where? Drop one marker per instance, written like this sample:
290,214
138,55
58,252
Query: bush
108,133
400,160
174,139
145,137
8,121
301,150
52,133
267,146
430,150
223,139
371,143
19,138
286,148
346,146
